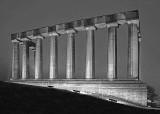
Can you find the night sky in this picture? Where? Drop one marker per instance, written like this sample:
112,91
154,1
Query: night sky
21,15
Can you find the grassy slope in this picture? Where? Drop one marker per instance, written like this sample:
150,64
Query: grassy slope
16,98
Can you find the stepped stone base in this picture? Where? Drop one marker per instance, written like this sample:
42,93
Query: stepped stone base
132,91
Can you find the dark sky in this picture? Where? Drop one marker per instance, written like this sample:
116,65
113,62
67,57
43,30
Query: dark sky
21,15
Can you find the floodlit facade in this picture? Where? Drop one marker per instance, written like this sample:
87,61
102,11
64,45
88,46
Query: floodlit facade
130,90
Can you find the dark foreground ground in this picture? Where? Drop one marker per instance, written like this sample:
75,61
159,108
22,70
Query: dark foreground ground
24,99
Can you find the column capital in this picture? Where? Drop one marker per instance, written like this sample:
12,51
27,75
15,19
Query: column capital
52,31
14,38
53,34
133,22
137,23
71,32
112,25
39,37
32,45
91,28
23,36
36,34
16,41
21,43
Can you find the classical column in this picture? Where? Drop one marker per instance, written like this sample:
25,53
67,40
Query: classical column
32,47
53,57
133,51
70,66
112,53
38,59
15,61
34,58
25,60
90,57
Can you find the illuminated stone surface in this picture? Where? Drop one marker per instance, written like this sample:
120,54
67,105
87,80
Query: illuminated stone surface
129,91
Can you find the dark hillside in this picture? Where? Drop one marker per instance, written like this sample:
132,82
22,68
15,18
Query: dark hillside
19,99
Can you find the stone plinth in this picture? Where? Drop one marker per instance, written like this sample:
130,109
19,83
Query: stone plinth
130,91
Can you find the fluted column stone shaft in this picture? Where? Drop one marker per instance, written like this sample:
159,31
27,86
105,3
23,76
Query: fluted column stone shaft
70,66
112,53
15,61
90,55
38,59
25,60
133,51
53,57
